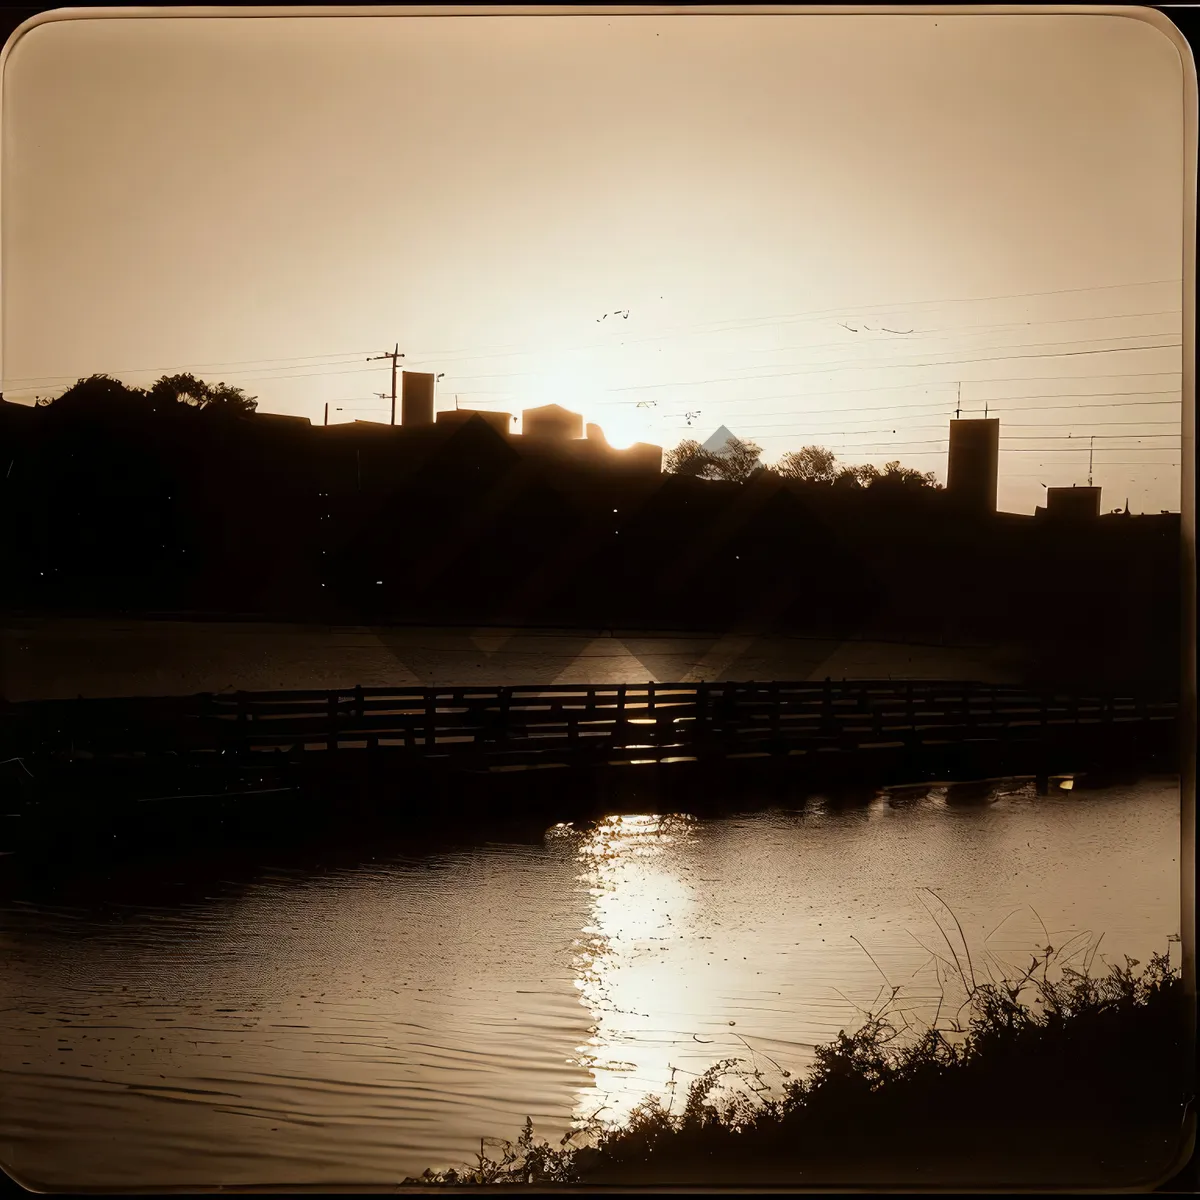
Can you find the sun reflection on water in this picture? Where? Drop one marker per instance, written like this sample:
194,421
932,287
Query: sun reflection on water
634,870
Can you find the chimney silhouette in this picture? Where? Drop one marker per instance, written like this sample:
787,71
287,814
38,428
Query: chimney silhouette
416,404
973,468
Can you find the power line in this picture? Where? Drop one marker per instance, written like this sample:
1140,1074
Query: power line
788,318
742,322
935,383
855,363
1017,438
734,323
981,330
887,308
945,332
941,405
889,366
914,428
347,356
279,378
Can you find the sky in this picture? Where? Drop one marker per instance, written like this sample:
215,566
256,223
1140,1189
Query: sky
811,229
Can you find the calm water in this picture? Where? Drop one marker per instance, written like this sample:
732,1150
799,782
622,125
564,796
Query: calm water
358,1023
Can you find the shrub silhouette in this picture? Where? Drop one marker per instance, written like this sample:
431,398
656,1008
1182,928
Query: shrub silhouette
1082,1055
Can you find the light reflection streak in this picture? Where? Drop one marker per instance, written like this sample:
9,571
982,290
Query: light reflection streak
640,908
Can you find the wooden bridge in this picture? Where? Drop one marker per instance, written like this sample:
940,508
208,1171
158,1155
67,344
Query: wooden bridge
98,775
497,728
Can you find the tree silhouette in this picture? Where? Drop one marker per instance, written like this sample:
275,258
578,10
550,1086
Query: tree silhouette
894,475
229,400
180,389
811,464
187,390
689,458
857,477
100,395
737,461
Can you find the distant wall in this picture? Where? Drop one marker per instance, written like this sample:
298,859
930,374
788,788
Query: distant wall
1073,503
552,422
501,422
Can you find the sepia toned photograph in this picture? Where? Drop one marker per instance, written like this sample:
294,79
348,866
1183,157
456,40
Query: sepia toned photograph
596,597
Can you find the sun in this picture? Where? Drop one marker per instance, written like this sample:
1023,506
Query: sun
621,429
576,384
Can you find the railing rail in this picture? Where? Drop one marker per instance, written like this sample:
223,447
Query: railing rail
580,720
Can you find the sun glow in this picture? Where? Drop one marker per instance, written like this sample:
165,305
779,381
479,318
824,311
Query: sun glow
621,430
575,383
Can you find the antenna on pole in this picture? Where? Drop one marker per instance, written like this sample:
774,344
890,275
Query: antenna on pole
958,407
1091,452
394,354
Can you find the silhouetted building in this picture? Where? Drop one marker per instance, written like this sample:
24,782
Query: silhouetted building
416,402
552,422
596,434
1071,503
501,422
642,457
974,462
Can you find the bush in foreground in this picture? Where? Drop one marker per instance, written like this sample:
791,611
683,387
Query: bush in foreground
1034,1076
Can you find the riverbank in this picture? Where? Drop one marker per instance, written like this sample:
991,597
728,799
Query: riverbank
51,657
1051,1077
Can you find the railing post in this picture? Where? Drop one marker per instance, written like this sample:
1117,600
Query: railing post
359,704
430,721
243,723
331,735
650,697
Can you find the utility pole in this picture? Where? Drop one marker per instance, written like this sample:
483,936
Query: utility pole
958,407
395,356
326,412
1091,452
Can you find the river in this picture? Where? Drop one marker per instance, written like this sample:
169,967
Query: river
353,1020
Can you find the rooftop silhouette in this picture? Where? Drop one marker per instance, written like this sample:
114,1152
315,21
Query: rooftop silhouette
183,497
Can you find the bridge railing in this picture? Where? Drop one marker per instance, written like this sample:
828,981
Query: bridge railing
526,719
